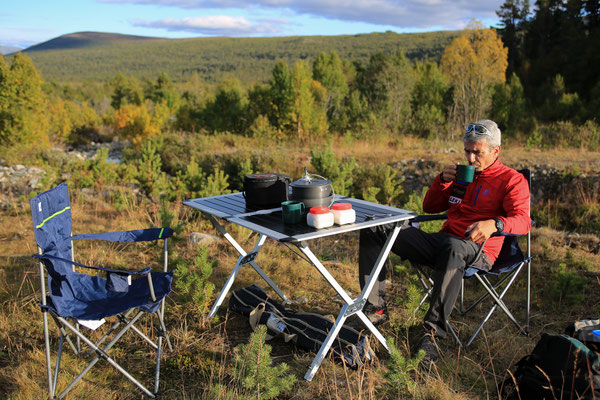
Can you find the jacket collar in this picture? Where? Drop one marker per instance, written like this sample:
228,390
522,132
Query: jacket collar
492,169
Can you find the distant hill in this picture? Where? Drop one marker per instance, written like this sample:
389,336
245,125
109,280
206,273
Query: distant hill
86,40
95,56
9,49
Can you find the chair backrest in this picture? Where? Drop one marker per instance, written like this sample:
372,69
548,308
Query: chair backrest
510,254
52,222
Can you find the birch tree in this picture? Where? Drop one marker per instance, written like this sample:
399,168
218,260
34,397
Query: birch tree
474,62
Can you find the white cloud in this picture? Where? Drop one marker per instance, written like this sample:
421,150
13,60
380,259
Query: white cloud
220,25
420,14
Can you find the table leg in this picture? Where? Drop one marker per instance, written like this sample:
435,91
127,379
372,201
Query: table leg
316,363
381,259
352,306
242,260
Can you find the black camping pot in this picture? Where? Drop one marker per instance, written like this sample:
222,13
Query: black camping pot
266,190
312,192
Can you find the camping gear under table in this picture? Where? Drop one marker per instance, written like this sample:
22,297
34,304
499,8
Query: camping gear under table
269,224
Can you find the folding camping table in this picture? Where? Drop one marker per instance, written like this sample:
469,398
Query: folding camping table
269,224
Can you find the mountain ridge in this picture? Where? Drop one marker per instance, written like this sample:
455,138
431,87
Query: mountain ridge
84,39
99,56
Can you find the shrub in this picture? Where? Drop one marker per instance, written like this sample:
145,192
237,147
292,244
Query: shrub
339,172
253,376
95,172
138,122
566,288
399,381
193,280
408,304
149,175
216,183
415,203
386,186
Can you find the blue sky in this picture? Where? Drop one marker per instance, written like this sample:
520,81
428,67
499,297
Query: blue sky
27,22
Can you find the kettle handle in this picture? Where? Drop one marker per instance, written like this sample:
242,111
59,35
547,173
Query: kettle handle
330,185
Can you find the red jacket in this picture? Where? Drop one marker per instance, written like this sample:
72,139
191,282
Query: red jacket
496,192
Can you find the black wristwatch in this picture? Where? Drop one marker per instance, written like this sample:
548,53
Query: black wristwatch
499,225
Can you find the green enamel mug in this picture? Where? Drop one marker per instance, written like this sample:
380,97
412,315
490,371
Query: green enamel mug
292,211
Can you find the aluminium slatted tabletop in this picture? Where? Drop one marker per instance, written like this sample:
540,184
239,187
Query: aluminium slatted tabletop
232,208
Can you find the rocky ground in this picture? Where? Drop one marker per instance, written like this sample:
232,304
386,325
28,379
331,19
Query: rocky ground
549,178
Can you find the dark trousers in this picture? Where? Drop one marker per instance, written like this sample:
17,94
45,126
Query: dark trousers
446,254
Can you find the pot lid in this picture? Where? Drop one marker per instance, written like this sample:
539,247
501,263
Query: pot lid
307,181
262,177
311,183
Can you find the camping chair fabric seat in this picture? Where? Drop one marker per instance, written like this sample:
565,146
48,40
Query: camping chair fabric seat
106,292
509,258
82,296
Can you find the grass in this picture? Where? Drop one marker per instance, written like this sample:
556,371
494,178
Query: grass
203,355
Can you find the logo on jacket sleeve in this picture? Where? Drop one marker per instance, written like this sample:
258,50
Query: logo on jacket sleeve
454,200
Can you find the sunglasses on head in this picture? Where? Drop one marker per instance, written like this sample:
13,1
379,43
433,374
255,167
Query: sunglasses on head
479,129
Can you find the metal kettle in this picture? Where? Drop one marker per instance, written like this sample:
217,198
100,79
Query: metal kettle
313,190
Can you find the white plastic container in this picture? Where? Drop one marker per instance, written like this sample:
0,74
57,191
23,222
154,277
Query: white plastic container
319,217
343,213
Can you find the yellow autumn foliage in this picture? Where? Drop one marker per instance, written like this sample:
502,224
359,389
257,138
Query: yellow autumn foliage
138,122
472,63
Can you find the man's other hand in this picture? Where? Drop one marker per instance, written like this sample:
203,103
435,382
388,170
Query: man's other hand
480,230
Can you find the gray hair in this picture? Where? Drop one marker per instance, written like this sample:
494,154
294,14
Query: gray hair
492,137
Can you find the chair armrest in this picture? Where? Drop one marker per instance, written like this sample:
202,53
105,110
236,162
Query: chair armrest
117,280
140,235
428,217
117,271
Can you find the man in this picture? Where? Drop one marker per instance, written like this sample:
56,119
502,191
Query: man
496,201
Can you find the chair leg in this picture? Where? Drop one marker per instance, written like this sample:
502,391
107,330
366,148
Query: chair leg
498,303
161,320
528,305
58,359
158,356
102,353
51,383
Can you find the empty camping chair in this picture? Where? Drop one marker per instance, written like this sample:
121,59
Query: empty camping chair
73,299
496,282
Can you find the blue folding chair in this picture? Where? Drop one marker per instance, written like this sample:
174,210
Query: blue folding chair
496,282
73,299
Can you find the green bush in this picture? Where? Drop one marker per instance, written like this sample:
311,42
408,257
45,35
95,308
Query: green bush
95,172
385,187
252,375
566,288
566,134
152,180
399,382
192,279
415,203
339,172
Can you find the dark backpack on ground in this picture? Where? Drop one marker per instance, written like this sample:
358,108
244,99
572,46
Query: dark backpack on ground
306,330
559,367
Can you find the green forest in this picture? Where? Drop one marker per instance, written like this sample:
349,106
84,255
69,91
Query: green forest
377,114
91,56
532,76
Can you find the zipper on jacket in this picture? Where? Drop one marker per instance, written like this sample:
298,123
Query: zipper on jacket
476,195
